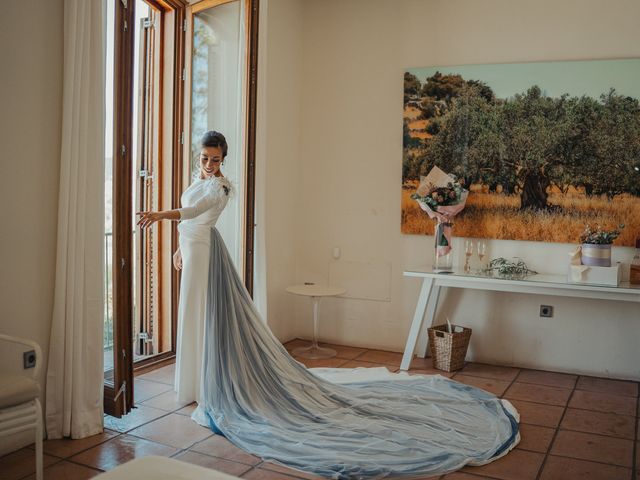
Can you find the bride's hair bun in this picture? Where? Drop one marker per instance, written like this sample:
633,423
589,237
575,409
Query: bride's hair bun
214,139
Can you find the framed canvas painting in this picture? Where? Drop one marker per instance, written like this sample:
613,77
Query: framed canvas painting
544,148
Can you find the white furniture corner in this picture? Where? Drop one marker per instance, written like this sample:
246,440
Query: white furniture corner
20,408
154,467
539,284
316,292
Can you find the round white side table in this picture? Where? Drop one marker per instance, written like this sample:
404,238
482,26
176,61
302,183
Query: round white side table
316,292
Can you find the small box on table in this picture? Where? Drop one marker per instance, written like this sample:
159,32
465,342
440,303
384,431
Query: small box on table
609,276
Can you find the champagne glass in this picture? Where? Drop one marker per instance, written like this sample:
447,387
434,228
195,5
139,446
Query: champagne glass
482,251
468,251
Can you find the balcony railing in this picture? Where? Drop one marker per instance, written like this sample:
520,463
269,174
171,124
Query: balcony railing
107,332
107,336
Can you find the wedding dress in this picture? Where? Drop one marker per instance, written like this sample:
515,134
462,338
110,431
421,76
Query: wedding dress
338,423
202,203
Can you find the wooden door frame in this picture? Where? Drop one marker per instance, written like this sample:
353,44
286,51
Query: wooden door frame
253,10
118,394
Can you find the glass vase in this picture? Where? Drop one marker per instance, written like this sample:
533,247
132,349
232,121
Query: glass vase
443,255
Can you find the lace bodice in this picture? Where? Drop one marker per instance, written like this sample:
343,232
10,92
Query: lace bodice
204,200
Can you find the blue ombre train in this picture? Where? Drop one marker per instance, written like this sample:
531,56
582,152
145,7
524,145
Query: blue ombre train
268,404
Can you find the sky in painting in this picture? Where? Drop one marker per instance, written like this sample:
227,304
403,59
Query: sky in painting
577,78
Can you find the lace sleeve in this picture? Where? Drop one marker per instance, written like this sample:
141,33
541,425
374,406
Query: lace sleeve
207,201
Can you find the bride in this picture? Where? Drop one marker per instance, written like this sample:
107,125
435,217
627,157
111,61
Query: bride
202,202
338,423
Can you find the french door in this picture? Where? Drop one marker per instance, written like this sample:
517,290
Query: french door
146,173
178,70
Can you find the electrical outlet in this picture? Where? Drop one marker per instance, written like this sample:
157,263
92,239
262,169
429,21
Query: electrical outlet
546,311
29,359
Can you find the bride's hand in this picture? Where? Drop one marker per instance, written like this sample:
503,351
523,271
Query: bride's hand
177,260
148,218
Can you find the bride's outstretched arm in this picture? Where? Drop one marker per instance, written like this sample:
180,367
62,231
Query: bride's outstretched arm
149,218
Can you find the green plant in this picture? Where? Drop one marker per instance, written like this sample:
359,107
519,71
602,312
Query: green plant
599,236
508,268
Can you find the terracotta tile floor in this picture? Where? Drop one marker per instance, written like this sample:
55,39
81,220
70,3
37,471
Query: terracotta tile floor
573,427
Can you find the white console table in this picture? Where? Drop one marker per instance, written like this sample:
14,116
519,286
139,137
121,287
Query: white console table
535,284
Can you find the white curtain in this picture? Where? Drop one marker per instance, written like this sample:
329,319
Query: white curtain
74,404
218,90
237,116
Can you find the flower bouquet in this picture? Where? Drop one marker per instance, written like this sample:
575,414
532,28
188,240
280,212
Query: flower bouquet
442,196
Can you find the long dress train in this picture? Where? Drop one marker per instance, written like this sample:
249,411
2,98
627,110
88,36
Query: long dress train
265,402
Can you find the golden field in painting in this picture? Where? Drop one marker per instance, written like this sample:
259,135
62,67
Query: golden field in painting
493,215
417,125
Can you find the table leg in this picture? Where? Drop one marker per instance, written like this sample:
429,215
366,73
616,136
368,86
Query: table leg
418,317
314,351
314,343
423,335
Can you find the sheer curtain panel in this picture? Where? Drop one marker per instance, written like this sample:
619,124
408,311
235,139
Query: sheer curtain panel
74,377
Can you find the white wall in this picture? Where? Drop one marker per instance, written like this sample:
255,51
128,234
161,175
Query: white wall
31,37
349,160
277,152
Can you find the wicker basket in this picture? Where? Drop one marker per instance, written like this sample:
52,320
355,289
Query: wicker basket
448,350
